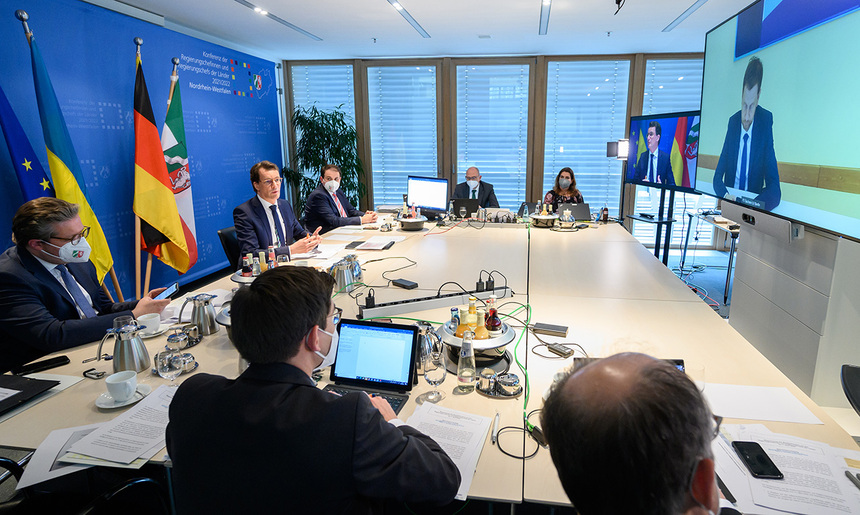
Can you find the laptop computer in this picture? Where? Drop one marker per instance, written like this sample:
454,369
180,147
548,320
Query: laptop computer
579,212
471,205
526,207
376,358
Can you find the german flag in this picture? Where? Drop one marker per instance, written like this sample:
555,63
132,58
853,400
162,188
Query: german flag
161,230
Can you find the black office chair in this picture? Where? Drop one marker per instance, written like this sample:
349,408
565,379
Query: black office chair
851,385
231,245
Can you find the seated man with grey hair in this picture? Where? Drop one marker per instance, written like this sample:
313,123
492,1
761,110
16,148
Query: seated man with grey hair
632,434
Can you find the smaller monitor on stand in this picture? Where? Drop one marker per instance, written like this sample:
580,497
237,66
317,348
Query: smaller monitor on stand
428,193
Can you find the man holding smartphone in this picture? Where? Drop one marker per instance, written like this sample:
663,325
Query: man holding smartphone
50,297
632,434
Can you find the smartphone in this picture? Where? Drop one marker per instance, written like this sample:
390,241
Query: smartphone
756,460
173,288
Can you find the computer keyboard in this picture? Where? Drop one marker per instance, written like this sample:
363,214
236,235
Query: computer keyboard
395,401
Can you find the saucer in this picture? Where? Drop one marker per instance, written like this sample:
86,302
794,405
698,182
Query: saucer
106,401
161,330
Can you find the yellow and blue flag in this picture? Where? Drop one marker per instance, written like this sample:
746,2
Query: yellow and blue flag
63,161
31,176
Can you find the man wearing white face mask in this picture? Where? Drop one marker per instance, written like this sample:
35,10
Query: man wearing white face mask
50,298
328,208
475,188
301,450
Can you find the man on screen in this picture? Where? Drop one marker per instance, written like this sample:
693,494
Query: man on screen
748,161
654,165
475,188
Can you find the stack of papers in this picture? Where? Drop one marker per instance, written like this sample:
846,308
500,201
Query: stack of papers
128,441
458,433
814,482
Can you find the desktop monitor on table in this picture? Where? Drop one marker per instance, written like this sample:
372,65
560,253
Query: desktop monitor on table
428,193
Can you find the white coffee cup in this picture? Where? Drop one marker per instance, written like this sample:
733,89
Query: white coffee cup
152,321
122,385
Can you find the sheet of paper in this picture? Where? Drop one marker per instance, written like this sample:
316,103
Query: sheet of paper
346,229
352,236
132,434
45,465
323,251
460,434
5,393
757,403
65,382
386,239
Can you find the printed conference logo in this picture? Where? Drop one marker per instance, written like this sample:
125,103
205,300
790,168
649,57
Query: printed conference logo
259,84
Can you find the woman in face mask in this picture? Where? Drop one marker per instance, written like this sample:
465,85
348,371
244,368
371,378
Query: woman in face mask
564,190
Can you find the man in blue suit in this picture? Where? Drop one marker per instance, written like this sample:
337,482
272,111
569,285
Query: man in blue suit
748,161
475,188
267,219
50,298
654,165
327,207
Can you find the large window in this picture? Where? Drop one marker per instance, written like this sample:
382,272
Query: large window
327,86
402,109
492,127
672,85
586,106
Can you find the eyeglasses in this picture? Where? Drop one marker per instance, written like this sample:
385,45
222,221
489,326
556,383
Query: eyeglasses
475,178
335,317
718,420
269,182
76,238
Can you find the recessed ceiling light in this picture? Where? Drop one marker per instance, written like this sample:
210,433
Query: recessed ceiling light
408,17
257,10
545,6
283,22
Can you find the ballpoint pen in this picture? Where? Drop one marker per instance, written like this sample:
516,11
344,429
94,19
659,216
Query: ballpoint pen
494,437
853,478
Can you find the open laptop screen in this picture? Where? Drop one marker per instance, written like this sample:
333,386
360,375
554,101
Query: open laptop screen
377,353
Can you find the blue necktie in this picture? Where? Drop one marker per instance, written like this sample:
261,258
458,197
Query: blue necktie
742,184
277,220
76,292
651,169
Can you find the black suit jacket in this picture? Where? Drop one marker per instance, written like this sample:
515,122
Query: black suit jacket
271,442
763,174
663,174
254,233
486,195
37,314
321,211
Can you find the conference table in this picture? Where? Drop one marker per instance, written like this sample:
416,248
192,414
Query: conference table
612,293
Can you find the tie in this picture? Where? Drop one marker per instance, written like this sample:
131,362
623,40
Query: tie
651,169
475,193
743,182
339,205
280,232
76,292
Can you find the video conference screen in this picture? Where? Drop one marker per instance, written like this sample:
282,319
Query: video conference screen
663,150
780,111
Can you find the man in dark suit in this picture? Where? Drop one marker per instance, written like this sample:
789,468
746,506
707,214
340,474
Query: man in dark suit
50,298
267,219
641,412
654,165
474,187
327,207
748,161
285,445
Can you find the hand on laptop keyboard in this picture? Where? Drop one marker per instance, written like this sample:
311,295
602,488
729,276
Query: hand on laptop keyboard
383,406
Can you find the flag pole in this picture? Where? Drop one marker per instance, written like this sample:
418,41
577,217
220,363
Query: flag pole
137,292
174,77
23,17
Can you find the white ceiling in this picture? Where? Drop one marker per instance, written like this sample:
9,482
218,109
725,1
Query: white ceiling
348,27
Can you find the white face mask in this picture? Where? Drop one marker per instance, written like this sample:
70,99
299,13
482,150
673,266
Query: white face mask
472,184
328,358
332,186
71,253
564,183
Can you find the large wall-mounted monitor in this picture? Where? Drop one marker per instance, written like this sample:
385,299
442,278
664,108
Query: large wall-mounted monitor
428,193
780,112
663,150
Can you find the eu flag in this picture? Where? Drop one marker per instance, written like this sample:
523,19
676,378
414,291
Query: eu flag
31,176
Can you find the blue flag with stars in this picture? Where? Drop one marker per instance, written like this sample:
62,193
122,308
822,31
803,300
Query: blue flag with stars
31,176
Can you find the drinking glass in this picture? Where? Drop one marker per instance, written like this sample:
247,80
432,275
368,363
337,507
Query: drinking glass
168,364
462,211
435,370
120,322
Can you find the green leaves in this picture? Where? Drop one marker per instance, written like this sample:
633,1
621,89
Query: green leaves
325,137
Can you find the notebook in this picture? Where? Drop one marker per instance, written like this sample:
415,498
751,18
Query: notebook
471,205
376,358
580,212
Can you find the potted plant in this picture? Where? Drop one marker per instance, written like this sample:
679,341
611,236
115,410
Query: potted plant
324,137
